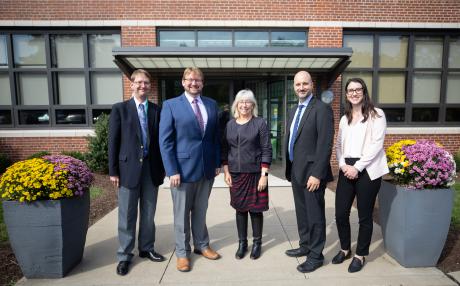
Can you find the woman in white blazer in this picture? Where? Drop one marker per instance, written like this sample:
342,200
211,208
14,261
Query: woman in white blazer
362,163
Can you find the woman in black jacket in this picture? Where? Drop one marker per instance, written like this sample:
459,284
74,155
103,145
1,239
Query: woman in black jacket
246,156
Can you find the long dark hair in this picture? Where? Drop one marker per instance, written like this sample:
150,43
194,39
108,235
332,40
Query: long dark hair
367,108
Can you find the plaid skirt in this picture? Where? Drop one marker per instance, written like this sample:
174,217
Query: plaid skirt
244,195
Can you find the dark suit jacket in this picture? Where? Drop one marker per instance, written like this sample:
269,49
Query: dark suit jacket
184,149
313,145
125,144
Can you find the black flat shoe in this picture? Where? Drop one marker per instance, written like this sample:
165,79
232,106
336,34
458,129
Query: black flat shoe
356,265
341,257
296,252
152,255
123,268
309,266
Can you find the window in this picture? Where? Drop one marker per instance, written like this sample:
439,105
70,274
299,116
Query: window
408,75
57,77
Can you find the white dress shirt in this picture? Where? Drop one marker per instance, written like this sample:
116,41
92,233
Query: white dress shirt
204,114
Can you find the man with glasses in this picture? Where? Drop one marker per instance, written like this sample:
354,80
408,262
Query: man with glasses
189,144
135,167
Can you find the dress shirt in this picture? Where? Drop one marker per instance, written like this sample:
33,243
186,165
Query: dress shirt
204,114
353,147
305,103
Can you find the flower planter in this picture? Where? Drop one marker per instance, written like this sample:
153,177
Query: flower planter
47,236
414,223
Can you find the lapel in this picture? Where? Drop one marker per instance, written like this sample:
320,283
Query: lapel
151,116
187,106
310,106
207,105
135,118
290,118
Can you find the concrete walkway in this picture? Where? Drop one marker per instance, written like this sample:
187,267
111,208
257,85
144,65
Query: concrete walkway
273,267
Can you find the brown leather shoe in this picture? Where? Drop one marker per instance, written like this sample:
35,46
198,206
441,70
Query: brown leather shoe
208,252
183,264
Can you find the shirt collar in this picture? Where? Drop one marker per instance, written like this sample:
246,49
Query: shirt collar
191,98
138,102
307,100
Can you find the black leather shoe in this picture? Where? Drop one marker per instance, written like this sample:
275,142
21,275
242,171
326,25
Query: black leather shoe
296,252
356,265
341,257
242,249
309,266
123,267
152,255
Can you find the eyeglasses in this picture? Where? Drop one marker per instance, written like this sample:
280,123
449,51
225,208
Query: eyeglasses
245,102
142,82
358,90
194,80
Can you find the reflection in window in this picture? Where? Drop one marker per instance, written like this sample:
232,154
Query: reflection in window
33,89
214,38
453,88
3,52
5,117
71,88
70,116
454,53
251,39
177,38
288,39
394,114
29,51
100,50
392,88
106,88
40,117
362,50
426,87
425,114
98,112
428,52
393,51
453,114
67,51
5,98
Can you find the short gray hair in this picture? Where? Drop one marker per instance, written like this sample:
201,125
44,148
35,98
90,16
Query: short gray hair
244,94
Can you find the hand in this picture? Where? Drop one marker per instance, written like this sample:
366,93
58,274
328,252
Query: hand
263,181
228,179
350,172
115,181
313,184
174,181
217,172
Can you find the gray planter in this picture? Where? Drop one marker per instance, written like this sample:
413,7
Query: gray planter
47,237
414,223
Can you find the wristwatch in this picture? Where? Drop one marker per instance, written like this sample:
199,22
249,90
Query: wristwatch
265,174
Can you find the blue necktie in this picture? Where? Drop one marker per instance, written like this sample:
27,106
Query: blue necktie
294,132
144,128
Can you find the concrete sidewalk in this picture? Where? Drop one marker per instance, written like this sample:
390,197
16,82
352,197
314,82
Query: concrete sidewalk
272,268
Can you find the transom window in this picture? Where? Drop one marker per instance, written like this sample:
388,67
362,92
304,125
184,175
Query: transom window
57,78
413,76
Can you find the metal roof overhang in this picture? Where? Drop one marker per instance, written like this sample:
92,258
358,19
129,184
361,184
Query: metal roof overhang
164,60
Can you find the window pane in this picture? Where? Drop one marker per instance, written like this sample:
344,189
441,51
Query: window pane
425,114
177,38
100,50
392,88
3,52
394,114
251,39
29,51
362,50
454,53
70,116
71,88
366,76
67,51
426,87
34,117
214,39
428,52
98,112
5,93
453,88
393,51
288,39
5,117
33,89
453,114
106,88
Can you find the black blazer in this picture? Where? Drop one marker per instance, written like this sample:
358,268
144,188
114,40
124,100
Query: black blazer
125,144
313,145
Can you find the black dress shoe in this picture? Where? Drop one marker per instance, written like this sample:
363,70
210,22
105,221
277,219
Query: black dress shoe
309,266
152,255
341,257
296,252
123,267
356,265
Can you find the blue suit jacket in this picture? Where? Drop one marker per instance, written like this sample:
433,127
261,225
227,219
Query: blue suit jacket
184,149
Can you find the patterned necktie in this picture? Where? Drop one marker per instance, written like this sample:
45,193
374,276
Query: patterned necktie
144,128
198,115
294,132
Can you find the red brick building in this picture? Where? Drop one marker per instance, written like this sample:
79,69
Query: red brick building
57,68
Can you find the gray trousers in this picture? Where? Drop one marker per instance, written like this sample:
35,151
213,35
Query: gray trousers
190,202
145,194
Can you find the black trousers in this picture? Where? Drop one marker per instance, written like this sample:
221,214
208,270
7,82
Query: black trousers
365,190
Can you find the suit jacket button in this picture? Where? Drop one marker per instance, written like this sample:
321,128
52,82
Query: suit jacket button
142,146
140,160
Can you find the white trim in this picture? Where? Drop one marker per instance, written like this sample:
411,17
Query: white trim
226,23
48,133
423,130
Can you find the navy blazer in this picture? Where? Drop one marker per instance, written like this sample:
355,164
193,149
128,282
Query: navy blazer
184,149
125,144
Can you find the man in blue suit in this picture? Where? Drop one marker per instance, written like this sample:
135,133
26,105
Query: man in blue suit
189,144
135,167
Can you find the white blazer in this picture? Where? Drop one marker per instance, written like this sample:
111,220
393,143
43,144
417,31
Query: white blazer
373,157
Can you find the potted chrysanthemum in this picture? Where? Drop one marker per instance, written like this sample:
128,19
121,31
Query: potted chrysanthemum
46,211
415,207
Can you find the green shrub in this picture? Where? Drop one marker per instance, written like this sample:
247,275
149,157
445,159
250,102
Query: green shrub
456,209
5,162
457,160
39,154
75,154
97,157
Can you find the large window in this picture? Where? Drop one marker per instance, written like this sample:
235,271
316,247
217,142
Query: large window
57,77
232,38
413,76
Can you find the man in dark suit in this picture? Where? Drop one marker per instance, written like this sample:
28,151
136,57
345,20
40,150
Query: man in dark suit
189,144
309,139
136,168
